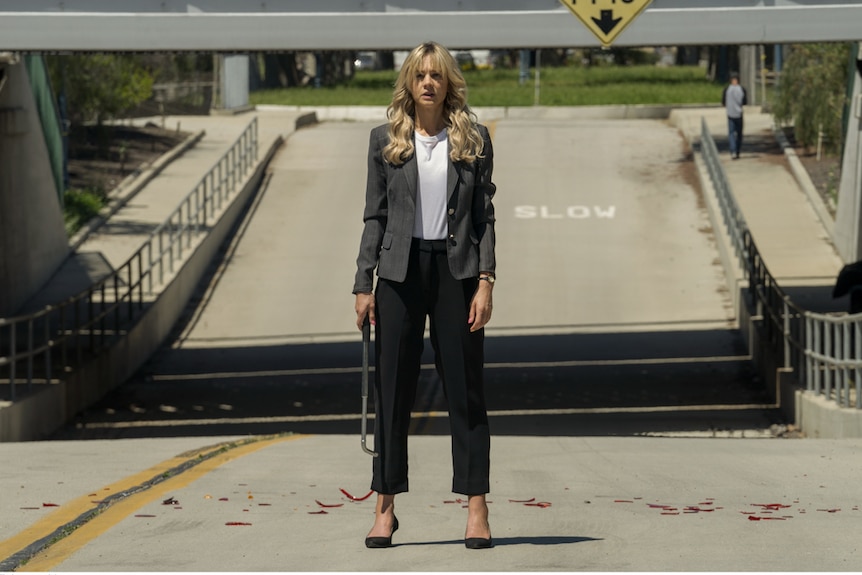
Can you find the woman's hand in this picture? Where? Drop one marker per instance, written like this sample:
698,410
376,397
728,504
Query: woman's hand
480,306
364,308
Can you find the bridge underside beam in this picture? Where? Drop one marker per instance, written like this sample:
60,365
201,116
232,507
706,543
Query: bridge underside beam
557,28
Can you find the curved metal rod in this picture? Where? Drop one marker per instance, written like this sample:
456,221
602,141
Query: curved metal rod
366,341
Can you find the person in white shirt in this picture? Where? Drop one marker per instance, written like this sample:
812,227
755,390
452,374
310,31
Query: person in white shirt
733,99
429,232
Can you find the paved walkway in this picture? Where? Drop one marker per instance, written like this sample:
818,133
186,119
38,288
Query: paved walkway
113,243
784,220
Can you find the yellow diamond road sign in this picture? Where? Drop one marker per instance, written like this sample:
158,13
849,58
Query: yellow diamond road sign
606,18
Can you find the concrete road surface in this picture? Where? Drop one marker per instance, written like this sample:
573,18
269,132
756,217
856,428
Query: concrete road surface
607,504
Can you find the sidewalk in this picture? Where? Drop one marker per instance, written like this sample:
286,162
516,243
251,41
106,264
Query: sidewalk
783,219
114,242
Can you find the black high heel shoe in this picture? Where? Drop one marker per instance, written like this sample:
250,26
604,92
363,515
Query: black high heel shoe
478,543
381,542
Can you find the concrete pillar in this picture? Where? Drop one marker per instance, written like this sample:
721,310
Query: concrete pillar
231,84
33,241
748,58
848,217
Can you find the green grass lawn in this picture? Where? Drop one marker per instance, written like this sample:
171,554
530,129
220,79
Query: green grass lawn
565,86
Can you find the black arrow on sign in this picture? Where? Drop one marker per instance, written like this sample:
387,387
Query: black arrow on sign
607,23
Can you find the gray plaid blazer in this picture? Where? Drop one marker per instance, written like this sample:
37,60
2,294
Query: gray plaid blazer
390,210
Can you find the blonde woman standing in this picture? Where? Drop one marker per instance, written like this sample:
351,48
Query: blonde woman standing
429,232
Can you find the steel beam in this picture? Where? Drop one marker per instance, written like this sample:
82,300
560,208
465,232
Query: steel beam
242,26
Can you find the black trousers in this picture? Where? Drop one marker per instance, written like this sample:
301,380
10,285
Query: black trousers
401,309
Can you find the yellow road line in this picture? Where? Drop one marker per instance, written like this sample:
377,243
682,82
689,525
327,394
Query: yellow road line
58,552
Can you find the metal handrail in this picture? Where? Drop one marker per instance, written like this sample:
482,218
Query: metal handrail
824,350
61,336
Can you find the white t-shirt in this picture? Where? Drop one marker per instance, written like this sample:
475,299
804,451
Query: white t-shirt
432,159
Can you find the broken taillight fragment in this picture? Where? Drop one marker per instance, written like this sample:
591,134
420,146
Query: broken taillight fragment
353,498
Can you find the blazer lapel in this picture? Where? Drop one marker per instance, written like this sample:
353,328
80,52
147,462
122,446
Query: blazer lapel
453,175
411,173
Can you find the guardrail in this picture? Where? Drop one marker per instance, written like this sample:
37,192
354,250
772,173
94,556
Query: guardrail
38,347
823,350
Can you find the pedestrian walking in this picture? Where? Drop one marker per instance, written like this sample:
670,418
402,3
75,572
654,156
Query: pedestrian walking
429,232
733,99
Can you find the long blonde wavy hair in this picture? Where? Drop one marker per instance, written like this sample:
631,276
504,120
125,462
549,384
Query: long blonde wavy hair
465,141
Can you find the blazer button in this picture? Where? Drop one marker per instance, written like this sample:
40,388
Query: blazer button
452,240
451,212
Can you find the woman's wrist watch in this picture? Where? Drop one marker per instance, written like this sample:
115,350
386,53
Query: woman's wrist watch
488,278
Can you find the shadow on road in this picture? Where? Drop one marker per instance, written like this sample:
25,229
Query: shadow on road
636,383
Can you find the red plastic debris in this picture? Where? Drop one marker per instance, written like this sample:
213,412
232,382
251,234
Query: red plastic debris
542,504
264,504
223,499
753,518
695,509
522,500
771,506
353,498
670,512
623,501
321,512
237,523
50,505
330,505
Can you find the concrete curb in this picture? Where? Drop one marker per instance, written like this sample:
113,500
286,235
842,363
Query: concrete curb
130,186
485,113
801,174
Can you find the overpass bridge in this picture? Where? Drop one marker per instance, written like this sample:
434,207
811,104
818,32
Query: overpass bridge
244,26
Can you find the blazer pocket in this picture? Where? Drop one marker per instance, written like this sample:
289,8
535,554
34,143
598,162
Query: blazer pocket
387,240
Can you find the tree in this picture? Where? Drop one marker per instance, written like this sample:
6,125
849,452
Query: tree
813,91
98,87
